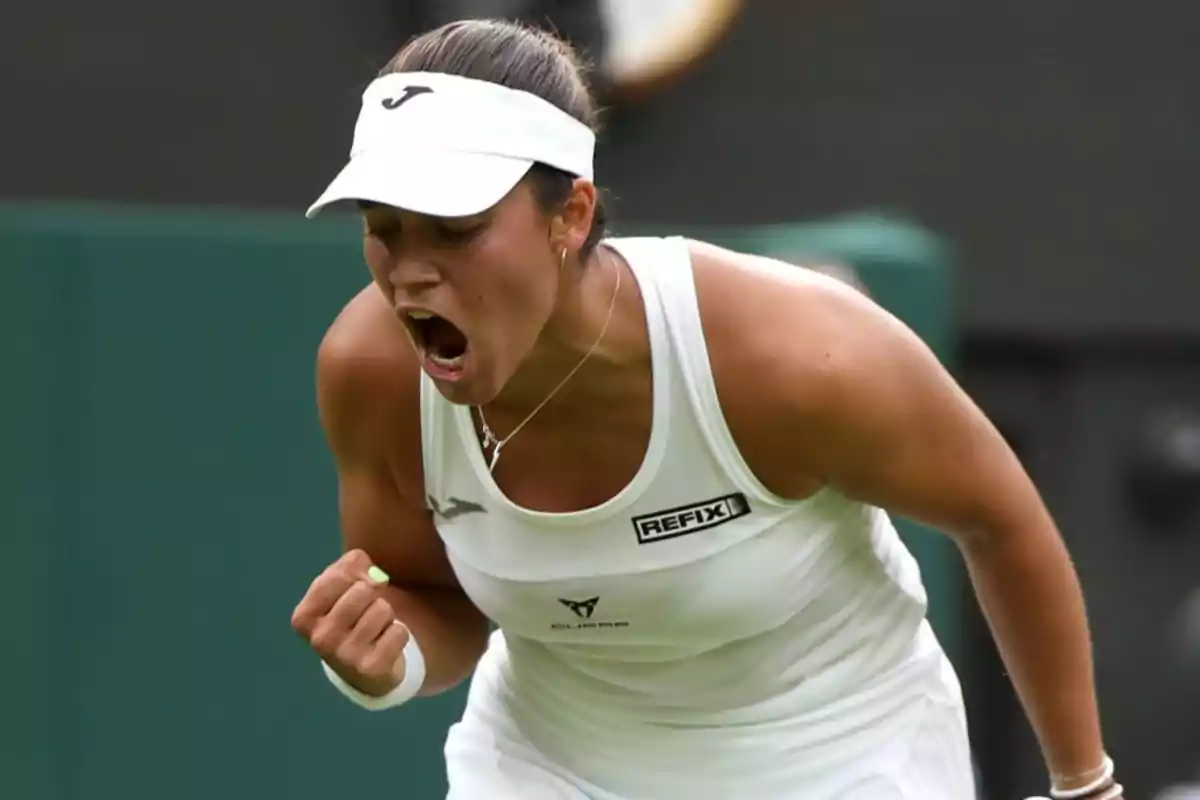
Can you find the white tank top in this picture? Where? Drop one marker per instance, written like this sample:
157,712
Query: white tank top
695,629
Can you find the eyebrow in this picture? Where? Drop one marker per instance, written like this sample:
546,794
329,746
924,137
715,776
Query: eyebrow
472,219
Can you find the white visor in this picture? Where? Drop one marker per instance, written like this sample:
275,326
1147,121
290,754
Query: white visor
451,147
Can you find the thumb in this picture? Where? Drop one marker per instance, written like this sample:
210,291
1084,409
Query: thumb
354,560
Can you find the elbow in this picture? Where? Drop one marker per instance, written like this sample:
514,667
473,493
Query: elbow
1026,529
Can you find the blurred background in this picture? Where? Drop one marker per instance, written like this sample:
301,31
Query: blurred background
1018,181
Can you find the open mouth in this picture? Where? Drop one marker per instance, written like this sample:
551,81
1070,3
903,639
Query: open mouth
440,341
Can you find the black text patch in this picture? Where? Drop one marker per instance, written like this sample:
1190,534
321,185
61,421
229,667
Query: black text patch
690,519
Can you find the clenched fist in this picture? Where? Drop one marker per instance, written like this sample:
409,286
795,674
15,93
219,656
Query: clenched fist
346,619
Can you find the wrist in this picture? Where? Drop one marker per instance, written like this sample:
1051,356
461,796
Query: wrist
407,688
1097,783
361,685
1075,779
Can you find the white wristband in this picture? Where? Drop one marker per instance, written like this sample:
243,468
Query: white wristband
414,679
1102,782
1111,793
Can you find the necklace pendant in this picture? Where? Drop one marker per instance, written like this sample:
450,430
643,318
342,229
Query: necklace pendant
489,438
490,442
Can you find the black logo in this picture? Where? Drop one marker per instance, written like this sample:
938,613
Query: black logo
690,519
582,608
392,103
583,611
456,508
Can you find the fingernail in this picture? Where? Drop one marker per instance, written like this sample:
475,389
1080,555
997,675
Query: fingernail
377,575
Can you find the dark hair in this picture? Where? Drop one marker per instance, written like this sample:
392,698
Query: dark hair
519,57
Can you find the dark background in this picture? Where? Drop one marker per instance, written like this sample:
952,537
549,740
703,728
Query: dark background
1052,142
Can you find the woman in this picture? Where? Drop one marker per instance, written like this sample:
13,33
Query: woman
659,467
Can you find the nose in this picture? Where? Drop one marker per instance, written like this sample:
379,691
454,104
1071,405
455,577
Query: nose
411,277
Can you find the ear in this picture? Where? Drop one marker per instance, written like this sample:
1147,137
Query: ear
570,227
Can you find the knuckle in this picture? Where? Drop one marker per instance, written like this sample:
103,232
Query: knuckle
383,609
349,655
325,641
318,583
378,664
318,589
353,603
301,621
351,587
370,623
356,558
391,643
377,672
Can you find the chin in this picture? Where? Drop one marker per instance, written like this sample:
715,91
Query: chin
468,390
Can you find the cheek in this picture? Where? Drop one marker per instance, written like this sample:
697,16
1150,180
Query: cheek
524,287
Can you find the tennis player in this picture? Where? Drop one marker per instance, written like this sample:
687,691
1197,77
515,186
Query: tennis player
663,469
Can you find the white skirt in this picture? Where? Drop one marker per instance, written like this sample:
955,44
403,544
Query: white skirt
491,754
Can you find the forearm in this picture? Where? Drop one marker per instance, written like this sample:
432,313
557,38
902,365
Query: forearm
452,633
1031,597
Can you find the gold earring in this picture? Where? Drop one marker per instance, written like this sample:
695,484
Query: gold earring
562,261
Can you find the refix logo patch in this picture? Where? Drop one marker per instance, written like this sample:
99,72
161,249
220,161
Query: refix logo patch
690,519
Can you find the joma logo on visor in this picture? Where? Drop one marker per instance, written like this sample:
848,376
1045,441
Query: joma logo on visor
392,103
690,519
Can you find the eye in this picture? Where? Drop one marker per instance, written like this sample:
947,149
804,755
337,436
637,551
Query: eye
380,229
460,231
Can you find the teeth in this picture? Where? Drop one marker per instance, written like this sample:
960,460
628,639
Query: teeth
450,363
420,315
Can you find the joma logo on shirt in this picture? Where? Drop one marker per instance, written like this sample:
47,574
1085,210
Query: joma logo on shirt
690,519
456,507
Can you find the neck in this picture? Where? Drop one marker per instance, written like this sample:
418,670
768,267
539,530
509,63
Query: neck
573,330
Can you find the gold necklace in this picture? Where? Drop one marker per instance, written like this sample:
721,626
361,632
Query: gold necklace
494,443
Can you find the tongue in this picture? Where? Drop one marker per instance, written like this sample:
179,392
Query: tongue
444,340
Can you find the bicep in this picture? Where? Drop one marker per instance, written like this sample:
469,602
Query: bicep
900,433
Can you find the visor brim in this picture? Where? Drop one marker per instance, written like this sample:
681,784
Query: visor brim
437,183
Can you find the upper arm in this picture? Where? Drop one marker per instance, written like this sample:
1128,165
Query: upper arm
900,433
846,395
369,406
891,427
